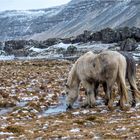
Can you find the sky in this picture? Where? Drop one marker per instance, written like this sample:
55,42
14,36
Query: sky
29,4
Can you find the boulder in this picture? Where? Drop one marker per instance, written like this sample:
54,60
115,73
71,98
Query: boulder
136,33
84,38
49,42
67,40
61,50
97,36
108,35
15,44
21,53
129,44
71,50
125,33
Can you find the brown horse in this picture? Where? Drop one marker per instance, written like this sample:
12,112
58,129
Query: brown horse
107,67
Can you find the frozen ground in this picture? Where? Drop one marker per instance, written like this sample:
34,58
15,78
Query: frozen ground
31,93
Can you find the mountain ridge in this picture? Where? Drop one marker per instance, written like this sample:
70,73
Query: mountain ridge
71,19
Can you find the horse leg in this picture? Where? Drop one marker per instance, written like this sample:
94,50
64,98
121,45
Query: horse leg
90,97
106,94
96,89
110,97
133,96
123,92
85,103
133,87
119,90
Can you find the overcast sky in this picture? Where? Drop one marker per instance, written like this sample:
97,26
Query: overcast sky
29,4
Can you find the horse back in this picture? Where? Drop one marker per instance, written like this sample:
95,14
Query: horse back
107,64
131,64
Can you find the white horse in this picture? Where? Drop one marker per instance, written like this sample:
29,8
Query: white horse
107,67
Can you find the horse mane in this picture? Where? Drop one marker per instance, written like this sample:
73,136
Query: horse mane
73,77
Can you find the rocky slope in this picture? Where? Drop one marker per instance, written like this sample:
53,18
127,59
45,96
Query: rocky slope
123,39
70,19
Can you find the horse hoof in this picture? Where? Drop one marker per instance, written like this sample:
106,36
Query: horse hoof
106,102
133,104
84,105
125,108
92,106
69,107
111,108
118,103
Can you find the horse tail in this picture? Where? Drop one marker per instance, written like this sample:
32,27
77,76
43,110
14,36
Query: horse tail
121,76
133,86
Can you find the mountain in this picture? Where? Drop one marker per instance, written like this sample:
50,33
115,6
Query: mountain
16,24
69,20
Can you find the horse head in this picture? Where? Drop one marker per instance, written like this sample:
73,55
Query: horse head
71,96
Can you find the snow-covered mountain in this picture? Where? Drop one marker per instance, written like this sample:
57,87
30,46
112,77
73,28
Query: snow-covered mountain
69,20
16,24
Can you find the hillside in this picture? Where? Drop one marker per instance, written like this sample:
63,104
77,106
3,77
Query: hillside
69,20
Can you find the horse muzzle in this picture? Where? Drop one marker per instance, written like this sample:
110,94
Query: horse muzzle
68,107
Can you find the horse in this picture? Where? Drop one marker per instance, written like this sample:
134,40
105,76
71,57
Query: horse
130,76
107,67
74,80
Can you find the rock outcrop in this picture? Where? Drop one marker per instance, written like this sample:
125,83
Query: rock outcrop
129,44
127,39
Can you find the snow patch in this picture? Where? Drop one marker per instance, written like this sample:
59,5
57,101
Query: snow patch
29,98
104,111
37,49
113,121
45,126
62,45
6,133
85,111
96,137
75,113
136,117
10,57
121,129
75,130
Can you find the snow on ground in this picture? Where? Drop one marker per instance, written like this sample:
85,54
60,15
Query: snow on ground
10,57
62,45
52,51
37,49
75,130
5,133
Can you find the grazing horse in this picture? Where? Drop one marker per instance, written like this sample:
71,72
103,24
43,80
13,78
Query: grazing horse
107,67
130,75
80,67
